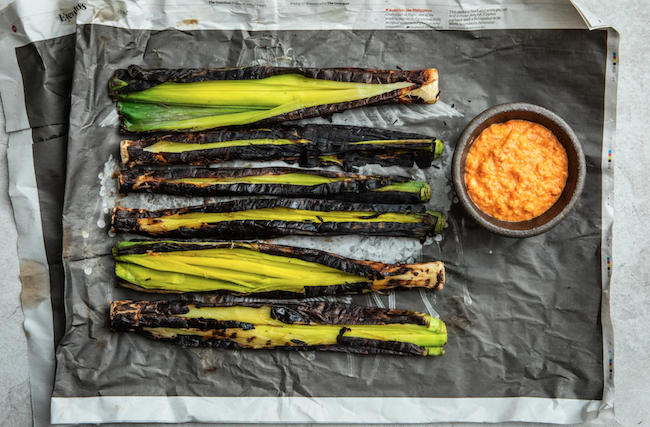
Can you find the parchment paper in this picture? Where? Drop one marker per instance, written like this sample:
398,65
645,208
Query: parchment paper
523,315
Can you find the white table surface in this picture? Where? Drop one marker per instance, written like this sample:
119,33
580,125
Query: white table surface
631,258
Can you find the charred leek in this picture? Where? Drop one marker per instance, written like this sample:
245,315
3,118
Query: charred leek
304,326
199,99
311,145
268,218
261,269
285,182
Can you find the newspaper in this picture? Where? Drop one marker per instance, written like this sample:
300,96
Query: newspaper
286,33
35,88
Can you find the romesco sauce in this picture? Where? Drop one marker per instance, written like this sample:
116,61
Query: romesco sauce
516,170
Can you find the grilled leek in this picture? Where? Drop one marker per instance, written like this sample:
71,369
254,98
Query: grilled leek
286,182
324,326
199,99
267,218
309,146
261,269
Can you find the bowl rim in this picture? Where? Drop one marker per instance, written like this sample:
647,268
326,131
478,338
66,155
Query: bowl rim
466,139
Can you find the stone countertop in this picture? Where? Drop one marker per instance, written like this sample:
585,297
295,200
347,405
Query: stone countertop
631,271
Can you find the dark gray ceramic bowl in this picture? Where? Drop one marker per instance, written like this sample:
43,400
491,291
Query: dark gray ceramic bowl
575,181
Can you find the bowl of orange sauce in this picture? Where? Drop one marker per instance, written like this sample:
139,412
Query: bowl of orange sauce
518,169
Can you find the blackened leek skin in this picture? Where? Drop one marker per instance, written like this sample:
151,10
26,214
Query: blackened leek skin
247,219
199,99
261,269
309,146
326,326
276,181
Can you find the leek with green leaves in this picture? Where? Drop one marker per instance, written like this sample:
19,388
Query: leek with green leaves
309,146
245,219
274,181
326,326
199,99
261,269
